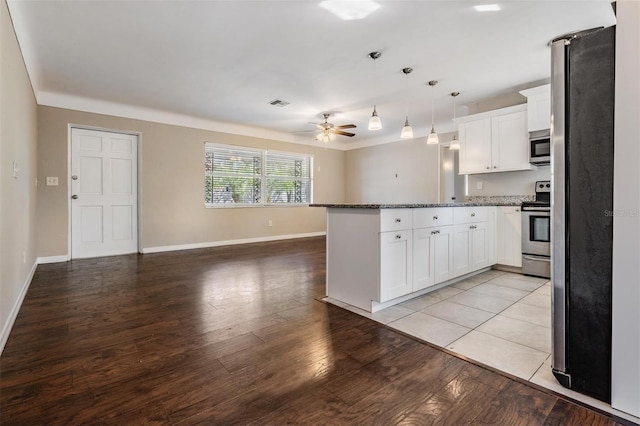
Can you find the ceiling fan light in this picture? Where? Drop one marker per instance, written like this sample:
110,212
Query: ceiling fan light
433,138
407,131
455,144
374,121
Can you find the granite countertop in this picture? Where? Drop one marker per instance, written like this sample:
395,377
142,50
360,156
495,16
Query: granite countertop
491,200
414,206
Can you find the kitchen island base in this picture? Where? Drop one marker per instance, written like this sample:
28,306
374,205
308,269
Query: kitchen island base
378,257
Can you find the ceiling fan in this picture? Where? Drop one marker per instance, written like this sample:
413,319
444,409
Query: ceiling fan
329,130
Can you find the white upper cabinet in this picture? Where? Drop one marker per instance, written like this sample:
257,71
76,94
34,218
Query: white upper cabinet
538,107
494,141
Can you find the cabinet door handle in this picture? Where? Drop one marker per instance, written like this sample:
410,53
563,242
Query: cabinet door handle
438,231
495,167
473,215
398,220
434,232
517,210
435,217
473,227
398,236
488,167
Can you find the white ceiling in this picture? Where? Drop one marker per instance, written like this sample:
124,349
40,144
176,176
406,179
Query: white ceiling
221,62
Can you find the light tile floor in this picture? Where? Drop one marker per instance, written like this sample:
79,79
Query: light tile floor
500,319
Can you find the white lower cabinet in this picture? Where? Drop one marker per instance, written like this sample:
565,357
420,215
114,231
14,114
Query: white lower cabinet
432,256
479,245
461,249
473,239
509,234
396,259
377,257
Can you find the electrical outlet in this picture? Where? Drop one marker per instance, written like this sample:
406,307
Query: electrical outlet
270,223
479,185
24,257
16,170
52,181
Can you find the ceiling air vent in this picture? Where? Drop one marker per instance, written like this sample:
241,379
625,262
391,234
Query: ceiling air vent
279,103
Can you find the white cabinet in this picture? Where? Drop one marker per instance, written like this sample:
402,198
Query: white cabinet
396,257
432,246
538,107
509,234
461,249
378,257
494,141
473,239
475,146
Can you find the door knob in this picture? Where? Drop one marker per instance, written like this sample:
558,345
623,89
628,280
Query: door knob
74,177
74,196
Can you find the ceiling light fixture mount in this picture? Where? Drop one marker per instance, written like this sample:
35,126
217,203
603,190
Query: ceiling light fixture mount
407,131
374,121
432,139
455,143
350,10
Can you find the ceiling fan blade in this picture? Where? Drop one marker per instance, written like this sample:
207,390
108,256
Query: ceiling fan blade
346,126
340,132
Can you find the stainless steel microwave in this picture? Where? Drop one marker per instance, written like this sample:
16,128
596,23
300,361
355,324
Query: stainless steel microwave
540,147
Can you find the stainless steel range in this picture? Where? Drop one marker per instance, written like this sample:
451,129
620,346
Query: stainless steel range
536,232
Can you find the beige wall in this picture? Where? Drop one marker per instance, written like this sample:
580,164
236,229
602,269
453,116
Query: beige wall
171,175
400,172
17,195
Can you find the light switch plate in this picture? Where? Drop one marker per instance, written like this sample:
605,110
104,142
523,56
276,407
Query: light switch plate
52,181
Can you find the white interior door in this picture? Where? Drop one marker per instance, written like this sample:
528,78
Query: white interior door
104,211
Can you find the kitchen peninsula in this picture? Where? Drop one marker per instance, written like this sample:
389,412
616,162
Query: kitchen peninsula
379,255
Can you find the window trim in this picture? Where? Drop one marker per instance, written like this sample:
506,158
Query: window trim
263,177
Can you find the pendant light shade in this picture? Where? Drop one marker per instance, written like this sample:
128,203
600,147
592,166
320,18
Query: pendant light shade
432,139
407,131
374,121
455,143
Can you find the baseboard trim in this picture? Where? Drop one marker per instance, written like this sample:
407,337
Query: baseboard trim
8,325
161,249
53,259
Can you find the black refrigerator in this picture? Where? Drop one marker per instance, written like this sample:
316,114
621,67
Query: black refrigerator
582,112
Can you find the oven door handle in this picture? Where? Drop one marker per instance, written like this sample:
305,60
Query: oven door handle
540,258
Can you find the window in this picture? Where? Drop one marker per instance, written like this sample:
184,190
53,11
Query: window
238,176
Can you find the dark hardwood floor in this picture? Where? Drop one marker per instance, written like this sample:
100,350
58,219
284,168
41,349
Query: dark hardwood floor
235,335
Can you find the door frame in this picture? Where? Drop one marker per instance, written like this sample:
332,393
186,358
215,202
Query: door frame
138,135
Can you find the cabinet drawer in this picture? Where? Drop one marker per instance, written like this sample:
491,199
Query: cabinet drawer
428,217
470,214
395,219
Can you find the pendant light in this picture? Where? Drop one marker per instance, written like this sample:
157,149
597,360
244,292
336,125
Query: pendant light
432,139
407,131
374,121
455,143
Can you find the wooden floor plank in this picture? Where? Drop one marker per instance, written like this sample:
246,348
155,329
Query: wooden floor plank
235,335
